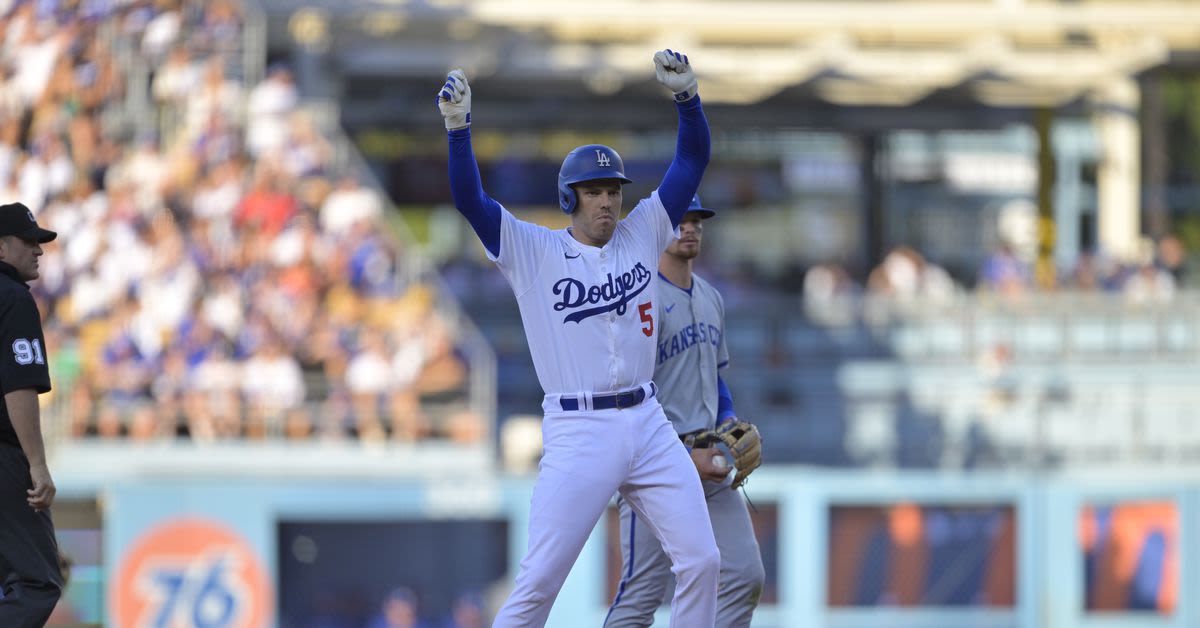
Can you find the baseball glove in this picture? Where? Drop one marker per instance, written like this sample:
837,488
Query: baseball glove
744,443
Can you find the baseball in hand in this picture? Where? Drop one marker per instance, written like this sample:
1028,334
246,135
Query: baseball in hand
719,461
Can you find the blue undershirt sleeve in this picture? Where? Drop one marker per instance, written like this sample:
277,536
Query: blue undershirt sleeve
472,202
725,410
692,149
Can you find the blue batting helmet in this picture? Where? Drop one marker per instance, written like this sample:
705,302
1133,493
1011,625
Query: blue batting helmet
587,163
700,209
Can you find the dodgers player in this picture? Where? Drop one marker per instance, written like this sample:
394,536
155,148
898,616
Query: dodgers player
586,298
691,353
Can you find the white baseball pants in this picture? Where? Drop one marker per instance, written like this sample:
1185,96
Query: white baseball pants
589,455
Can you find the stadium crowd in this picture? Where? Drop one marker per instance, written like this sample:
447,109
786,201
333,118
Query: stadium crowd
904,274
216,275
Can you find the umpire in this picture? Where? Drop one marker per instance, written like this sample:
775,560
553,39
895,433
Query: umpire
28,550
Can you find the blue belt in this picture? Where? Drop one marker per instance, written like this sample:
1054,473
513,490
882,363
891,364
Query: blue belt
624,399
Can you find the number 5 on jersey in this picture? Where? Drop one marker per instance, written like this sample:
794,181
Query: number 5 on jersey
644,311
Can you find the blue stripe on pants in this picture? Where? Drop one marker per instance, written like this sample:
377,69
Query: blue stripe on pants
628,572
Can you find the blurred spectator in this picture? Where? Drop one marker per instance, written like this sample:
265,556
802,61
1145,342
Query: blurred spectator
126,368
349,204
368,378
906,276
34,53
1173,258
829,294
467,612
10,186
55,166
10,108
371,263
213,402
144,423
1149,284
1004,273
298,424
175,80
144,170
1095,272
162,30
306,153
170,387
1145,280
216,95
216,141
219,27
109,423
267,111
223,305
1084,276
398,610
218,193
267,206
272,384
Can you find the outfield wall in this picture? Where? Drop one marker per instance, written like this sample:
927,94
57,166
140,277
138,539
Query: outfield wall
843,549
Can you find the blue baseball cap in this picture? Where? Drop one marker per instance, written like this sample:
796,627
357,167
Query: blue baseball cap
696,207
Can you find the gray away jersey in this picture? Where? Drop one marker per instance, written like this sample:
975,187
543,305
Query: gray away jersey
691,347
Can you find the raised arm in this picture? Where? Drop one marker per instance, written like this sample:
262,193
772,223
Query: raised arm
693,145
483,212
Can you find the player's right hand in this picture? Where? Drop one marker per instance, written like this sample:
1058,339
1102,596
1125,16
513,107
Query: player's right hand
454,100
673,70
703,459
41,495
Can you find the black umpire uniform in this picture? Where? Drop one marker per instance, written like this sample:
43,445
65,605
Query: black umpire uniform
32,579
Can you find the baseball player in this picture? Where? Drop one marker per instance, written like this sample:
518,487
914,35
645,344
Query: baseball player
31,579
586,296
691,353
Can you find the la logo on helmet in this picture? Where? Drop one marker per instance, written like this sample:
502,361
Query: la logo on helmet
602,160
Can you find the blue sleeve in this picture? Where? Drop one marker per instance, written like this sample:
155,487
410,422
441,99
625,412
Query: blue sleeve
724,402
692,150
477,207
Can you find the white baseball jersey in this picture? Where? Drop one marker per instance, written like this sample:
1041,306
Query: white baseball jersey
589,312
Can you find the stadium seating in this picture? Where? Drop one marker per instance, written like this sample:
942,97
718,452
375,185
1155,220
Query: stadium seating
224,269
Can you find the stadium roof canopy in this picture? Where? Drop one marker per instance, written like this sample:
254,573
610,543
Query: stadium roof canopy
772,60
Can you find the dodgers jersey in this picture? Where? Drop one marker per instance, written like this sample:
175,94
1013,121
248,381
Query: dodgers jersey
691,347
589,313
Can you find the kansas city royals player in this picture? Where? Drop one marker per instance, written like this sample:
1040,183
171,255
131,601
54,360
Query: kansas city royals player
587,303
691,353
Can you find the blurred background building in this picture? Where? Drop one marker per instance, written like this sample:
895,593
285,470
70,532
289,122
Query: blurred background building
958,247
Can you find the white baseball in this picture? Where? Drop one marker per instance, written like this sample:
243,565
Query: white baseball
719,461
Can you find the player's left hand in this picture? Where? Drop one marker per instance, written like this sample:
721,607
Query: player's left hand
673,70
454,100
